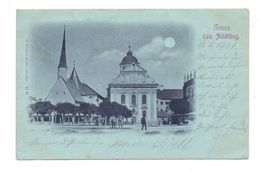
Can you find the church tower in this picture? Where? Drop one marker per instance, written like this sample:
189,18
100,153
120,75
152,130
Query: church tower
135,89
62,68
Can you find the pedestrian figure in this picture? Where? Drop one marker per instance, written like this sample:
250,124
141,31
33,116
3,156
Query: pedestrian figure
120,121
113,121
143,122
124,120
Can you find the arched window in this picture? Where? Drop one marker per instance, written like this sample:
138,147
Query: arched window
122,99
144,99
133,100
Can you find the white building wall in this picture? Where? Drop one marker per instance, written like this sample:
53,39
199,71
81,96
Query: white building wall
60,93
162,107
139,114
150,107
118,99
127,100
92,100
149,112
113,96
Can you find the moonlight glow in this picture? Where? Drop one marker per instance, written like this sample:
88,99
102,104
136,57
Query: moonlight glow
169,42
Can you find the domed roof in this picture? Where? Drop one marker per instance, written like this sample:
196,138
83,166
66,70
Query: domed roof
129,58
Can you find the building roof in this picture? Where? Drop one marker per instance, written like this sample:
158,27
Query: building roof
87,90
189,82
74,77
83,89
63,63
129,58
169,94
132,85
74,91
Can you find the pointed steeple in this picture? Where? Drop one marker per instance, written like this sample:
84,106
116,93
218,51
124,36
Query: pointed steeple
63,63
74,75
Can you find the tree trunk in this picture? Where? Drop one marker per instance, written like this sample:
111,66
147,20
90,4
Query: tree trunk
108,120
49,119
36,117
61,118
54,118
42,119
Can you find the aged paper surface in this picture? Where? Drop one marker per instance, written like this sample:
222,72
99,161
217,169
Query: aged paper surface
132,84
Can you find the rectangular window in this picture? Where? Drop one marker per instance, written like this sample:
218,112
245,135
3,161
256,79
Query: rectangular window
133,100
144,99
122,99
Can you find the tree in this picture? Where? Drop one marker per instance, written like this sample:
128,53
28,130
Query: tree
126,112
42,108
116,109
108,109
65,108
105,108
93,109
35,108
84,108
179,106
122,110
49,108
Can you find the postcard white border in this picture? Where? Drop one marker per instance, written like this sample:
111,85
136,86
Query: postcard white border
8,27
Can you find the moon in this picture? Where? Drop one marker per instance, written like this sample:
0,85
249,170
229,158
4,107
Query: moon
169,42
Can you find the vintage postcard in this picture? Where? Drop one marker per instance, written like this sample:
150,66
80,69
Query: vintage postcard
132,84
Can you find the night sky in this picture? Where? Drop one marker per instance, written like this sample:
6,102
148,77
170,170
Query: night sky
98,48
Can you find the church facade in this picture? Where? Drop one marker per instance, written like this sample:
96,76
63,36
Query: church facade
71,89
135,89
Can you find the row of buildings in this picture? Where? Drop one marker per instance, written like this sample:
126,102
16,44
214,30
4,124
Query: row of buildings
132,87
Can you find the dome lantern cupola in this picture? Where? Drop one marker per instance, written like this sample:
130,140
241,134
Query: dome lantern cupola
129,58
129,53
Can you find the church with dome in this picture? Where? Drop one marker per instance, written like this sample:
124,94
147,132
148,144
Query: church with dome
135,89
